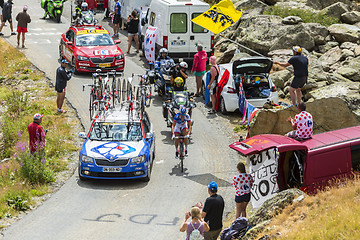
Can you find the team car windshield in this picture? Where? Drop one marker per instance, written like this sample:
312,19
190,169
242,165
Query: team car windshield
102,131
88,40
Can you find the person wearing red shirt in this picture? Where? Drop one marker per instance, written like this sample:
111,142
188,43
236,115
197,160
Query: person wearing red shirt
92,4
36,134
242,183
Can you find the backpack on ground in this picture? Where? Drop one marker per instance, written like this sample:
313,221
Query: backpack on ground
237,229
196,234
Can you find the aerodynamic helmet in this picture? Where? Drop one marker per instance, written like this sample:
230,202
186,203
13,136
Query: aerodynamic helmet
182,110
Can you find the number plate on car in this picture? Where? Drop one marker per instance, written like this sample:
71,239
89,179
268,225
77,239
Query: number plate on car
104,65
111,169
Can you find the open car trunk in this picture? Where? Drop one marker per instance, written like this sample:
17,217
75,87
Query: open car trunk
255,86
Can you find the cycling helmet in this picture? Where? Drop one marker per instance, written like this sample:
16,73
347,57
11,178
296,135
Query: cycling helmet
84,6
297,49
178,80
182,110
183,65
163,50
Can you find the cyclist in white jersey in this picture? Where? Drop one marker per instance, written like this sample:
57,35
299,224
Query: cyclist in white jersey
181,126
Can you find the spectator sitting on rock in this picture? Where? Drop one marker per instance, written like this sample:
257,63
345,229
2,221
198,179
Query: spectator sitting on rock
302,124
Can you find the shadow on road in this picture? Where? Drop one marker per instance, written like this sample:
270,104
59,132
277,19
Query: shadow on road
204,179
111,184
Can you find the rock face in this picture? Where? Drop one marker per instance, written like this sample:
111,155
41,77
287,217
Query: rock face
335,10
271,208
323,111
345,32
350,17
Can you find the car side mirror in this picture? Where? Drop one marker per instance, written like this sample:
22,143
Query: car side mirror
82,135
117,41
149,135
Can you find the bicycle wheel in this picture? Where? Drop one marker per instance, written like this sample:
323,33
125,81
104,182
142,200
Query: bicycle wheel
118,90
129,91
148,93
113,91
181,156
91,106
138,93
123,92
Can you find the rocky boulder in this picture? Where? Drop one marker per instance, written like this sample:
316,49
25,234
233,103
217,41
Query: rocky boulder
270,208
335,10
350,17
330,58
322,109
320,4
345,32
291,20
279,78
250,7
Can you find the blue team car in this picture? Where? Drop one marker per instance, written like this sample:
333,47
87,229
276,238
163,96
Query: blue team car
119,145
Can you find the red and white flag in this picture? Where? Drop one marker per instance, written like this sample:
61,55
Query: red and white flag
149,43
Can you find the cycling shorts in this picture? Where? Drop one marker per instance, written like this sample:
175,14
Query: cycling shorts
180,127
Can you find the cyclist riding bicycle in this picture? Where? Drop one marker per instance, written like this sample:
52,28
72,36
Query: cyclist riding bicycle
181,127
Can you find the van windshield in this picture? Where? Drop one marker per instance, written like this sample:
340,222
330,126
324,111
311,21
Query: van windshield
178,23
197,28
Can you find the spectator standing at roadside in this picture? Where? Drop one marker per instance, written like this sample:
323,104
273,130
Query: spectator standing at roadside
62,76
197,223
300,64
106,14
6,11
214,72
302,124
1,9
23,18
242,183
117,18
92,4
199,68
212,212
36,134
133,29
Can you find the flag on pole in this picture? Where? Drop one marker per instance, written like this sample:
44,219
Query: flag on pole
149,43
218,17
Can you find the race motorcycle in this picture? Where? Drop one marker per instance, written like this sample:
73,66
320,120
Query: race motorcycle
159,75
87,18
53,8
172,106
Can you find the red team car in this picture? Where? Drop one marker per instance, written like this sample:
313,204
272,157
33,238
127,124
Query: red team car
88,48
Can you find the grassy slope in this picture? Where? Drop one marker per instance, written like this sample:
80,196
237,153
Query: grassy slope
24,92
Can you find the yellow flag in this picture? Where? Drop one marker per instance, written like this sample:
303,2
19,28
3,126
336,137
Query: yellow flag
218,17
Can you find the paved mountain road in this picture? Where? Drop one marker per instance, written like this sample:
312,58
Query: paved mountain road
122,209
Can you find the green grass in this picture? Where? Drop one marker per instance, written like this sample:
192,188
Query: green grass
23,176
306,16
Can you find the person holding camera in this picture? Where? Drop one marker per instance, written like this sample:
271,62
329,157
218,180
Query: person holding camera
62,76
133,29
196,227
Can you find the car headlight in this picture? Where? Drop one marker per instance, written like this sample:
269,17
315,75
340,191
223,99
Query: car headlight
118,57
86,159
138,159
81,58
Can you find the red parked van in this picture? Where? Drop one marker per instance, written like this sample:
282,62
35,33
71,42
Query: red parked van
278,162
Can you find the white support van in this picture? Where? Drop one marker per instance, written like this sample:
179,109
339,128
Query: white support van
176,31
